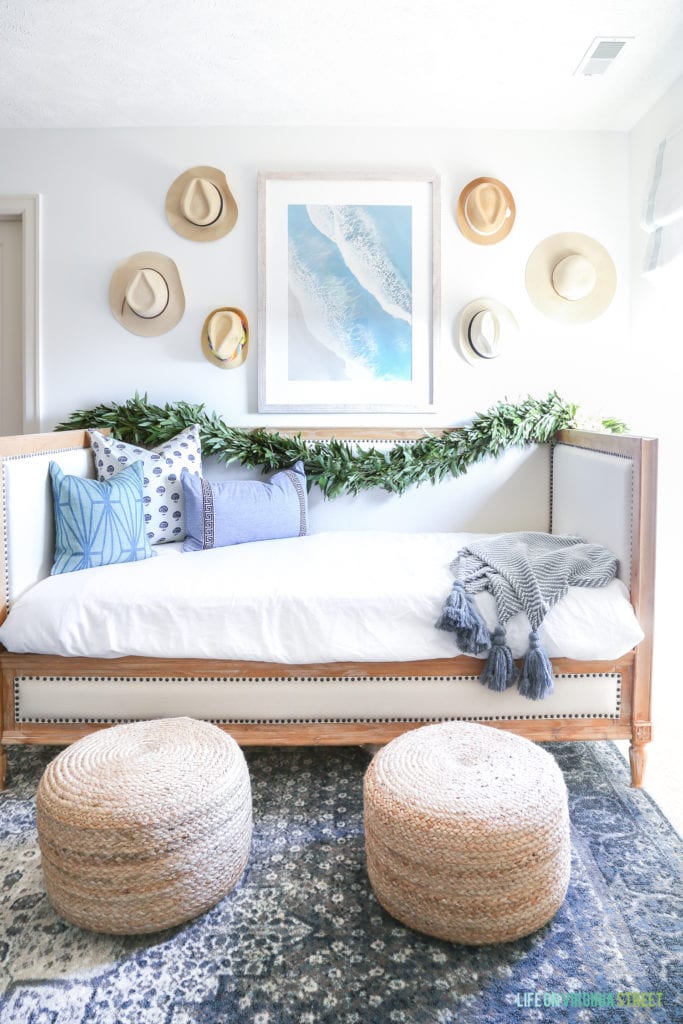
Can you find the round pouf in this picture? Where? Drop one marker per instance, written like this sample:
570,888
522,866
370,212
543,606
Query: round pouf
467,832
145,825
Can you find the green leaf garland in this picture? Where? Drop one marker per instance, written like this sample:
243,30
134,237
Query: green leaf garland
338,466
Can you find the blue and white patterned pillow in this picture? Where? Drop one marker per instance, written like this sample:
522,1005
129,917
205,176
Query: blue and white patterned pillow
98,523
162,493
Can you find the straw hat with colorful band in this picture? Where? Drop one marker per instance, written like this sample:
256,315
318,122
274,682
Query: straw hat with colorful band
485,211
200,205
225,337
571,278
486,327
146,295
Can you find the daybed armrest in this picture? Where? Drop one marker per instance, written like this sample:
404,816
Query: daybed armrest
603,486
26,554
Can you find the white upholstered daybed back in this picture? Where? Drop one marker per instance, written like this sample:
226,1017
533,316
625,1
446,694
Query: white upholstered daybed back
494,496
497,495
572,490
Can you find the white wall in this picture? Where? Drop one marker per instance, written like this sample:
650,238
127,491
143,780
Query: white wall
103,199
658,368
655,312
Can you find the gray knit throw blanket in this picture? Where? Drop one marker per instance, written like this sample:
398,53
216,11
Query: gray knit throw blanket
527,572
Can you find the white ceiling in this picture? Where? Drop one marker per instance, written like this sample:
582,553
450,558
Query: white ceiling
460,63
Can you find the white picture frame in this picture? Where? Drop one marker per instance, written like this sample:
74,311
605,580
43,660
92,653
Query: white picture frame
349,295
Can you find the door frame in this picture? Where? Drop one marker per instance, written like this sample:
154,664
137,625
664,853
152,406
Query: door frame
27,210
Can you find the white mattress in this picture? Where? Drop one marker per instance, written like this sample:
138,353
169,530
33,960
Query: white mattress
356,596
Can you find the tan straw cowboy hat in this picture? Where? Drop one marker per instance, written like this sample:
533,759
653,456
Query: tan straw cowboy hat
146,295
225,337
200,205
571,278
485,211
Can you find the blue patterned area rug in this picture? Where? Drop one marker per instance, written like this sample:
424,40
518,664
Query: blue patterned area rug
302,940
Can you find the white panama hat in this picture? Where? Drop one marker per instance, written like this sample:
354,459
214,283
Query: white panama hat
146,295
485,328
571,278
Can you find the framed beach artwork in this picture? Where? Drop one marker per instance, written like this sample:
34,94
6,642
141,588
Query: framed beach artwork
348,292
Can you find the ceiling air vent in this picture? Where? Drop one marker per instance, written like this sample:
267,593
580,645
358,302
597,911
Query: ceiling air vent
600,54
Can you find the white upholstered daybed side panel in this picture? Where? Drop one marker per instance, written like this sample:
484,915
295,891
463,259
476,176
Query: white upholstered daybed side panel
592,496
29,531
72,699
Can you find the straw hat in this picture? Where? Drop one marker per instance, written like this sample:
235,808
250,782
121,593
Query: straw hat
225,337
146,294
485,211
200,205
486,326
571,278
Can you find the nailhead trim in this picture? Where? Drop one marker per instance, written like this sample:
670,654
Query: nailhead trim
274,680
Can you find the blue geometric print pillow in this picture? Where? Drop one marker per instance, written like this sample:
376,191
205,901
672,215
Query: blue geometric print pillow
162,493
98,523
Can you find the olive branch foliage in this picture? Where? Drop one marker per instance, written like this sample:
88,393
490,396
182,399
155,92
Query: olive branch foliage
339,466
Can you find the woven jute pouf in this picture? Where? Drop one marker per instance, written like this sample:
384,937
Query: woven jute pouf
145,825
467,832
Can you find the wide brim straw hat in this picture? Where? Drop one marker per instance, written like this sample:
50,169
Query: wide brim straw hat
200,205
485,211
146,294
485,329
570,277
225,337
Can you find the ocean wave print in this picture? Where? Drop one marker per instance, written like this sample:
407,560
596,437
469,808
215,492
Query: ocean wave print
328,306
360,318
363,236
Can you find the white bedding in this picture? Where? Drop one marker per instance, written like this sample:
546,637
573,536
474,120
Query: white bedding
356,596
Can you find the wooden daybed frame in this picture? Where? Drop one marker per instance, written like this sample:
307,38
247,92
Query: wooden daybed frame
633,721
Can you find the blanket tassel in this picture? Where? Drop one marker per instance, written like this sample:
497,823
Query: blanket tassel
460,616
536,680
500,671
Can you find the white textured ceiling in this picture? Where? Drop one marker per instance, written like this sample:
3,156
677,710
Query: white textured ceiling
460,63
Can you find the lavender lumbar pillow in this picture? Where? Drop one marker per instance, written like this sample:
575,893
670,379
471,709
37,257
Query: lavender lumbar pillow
239,511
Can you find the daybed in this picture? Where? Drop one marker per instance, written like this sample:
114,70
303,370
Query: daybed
598,486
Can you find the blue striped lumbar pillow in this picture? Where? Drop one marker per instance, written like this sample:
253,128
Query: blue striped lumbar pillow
239,511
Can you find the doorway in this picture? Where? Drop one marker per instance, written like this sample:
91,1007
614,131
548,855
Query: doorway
11,329
19,335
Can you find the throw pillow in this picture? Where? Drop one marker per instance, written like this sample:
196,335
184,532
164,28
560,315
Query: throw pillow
98,523
238,511
163,495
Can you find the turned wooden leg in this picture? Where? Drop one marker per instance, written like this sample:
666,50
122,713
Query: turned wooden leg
3,767
637,755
